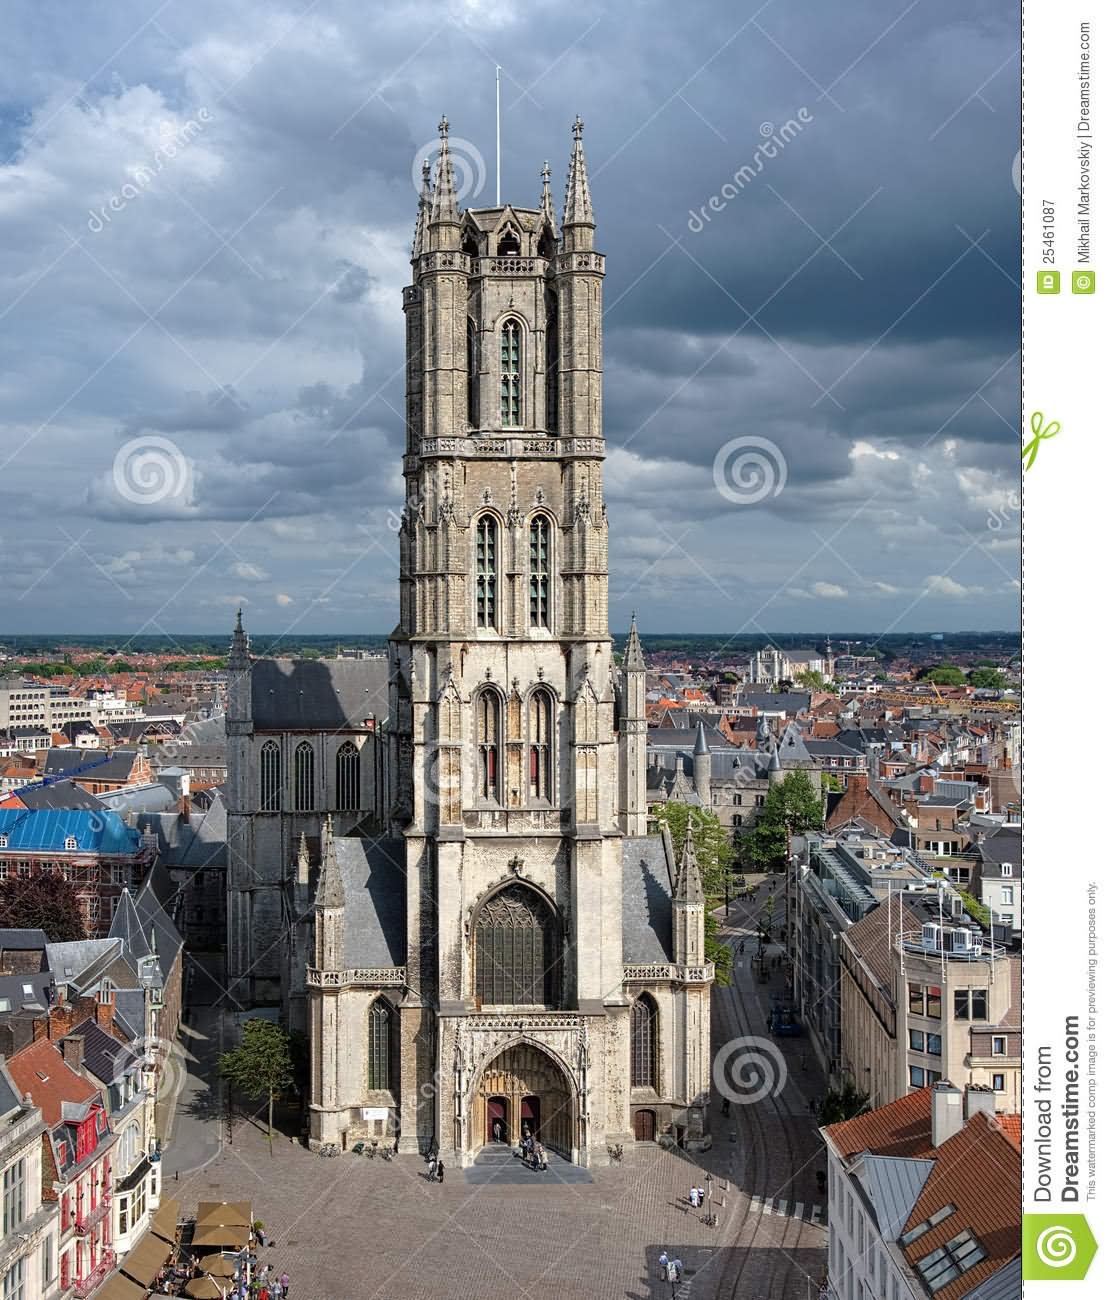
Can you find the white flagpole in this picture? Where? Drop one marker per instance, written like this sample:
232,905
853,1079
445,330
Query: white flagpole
497,135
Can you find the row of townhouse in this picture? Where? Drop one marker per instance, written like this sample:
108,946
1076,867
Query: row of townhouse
84,1030
898,985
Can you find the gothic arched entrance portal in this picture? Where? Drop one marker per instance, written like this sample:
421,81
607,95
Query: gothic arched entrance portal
535,1092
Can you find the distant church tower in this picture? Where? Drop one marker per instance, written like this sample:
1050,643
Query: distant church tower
541,988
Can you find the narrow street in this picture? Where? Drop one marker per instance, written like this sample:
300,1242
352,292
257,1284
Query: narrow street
768,1147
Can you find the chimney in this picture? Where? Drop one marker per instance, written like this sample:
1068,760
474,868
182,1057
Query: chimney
857,781
979,1099
946,1114
925,784
185,804
73,1051
106,1009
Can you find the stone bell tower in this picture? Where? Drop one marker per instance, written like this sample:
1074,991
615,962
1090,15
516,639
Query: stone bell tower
503,749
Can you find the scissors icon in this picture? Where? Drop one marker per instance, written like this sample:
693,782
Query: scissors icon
1040,435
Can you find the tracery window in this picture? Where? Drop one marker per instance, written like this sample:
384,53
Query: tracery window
643,1043
511,374
539,561
347,777
486,571
515,949
304,777
270,777
488,725
472,374
380,1047
540,745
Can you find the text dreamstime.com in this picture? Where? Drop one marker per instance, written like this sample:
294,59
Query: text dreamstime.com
774,143
174,140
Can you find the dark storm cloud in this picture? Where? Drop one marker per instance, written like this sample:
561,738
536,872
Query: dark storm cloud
852,302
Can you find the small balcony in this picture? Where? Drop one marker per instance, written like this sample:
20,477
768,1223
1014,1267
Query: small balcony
84,1222
86,1285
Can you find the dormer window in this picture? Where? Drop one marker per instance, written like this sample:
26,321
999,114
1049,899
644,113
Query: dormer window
3,841
71,843
1006,869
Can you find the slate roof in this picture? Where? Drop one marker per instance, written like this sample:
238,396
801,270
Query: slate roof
153,797
645,901
210,754
200,842
13,989
46,830
108,765
81,963
106,1058
9,1094
373,875
789,702
1004,846
893,1184
318,694
868,938
22,940
61,795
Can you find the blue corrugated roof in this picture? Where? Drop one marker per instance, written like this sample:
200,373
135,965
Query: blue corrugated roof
46,830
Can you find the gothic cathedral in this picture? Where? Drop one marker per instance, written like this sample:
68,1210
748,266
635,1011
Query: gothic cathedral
441,865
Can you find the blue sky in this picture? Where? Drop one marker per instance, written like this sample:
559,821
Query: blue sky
206,213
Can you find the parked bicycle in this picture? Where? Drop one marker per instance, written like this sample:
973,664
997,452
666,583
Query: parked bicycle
617,1153
328,1150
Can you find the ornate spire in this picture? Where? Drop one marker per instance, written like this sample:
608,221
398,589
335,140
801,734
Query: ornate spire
634,655
424,207
547,207
303,860
445,205
577,208
688,889
701,747
329,890
240,656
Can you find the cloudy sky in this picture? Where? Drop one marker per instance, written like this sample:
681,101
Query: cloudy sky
205,216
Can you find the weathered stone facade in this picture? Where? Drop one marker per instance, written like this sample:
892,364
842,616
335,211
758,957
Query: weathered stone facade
485,923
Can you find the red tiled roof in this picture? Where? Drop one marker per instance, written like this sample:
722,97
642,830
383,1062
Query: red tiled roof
901,1128
977,1171
61,1083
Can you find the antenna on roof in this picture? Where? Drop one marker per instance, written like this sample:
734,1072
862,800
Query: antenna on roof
497,135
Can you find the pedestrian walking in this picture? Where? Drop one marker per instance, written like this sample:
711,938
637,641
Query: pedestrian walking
431,1165
440,1172
284,1279
701,1196
677,1264
693,1197
663,1266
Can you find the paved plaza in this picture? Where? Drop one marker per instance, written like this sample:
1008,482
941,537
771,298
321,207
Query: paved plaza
366,1228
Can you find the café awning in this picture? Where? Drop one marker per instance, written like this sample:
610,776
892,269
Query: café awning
144,1260
164,1219
223,1214
235,1236
118,1287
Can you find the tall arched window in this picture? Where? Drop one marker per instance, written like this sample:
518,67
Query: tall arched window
488,722
642,1042
381,1045
539,564
551,363
540,745
472,374
304,777
511,374
347,777
486,572
270,777
515,949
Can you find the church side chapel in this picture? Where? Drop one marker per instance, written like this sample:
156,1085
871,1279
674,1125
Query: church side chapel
441,866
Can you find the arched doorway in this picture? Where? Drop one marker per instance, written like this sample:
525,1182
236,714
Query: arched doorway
534,1091
497,1119
644,1126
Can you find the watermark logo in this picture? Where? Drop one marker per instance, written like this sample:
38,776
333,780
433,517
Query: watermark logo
470,166
151,469
775,141
1056,1247
172,140
1042,432
747,1070
749,469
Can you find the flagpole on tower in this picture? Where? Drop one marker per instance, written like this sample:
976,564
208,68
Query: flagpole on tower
497,135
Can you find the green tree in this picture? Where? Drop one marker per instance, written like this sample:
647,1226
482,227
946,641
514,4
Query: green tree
990,679
943,675
714,852
811,679
791,807
261,1066
42,901
840,1104
713,846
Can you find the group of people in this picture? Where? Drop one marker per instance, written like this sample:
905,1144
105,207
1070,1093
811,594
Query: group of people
671,1270
267,1284
533,1151
435,1168
697,1196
